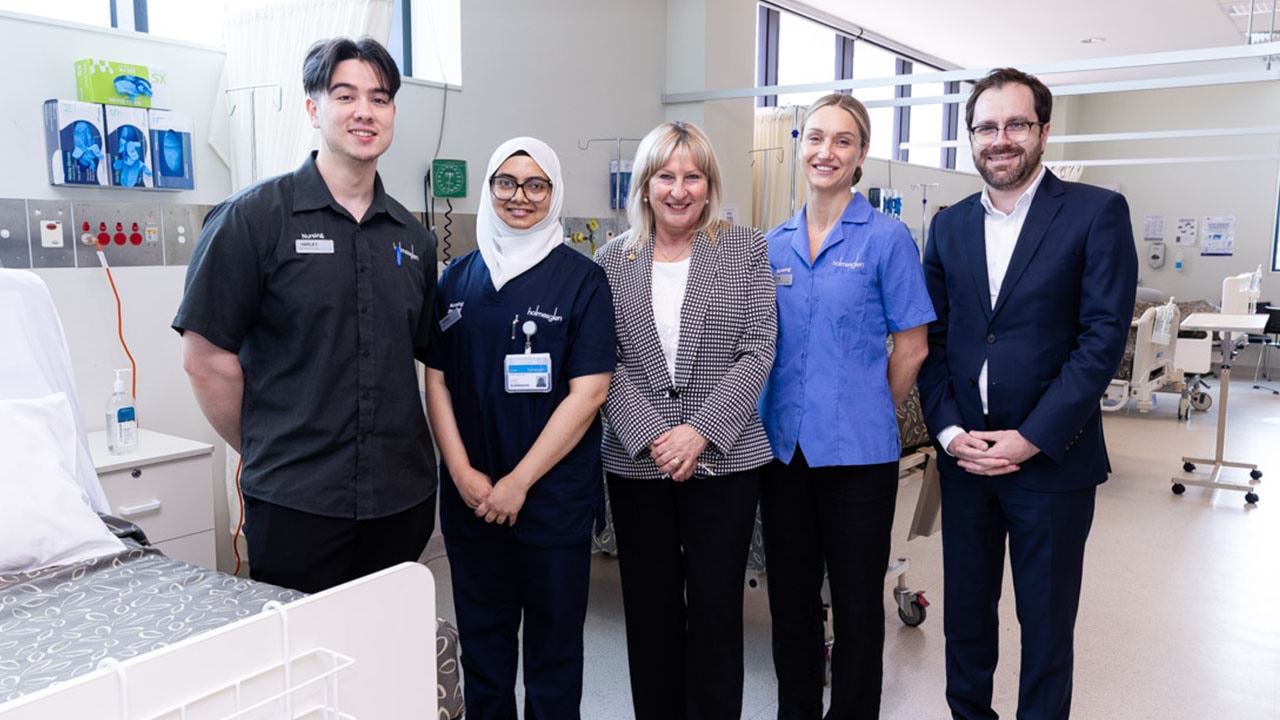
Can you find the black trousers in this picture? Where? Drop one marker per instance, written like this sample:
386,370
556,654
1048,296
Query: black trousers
682,554
307,552
839,518
497,584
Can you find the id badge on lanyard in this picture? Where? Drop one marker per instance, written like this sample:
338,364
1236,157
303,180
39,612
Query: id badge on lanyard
527,372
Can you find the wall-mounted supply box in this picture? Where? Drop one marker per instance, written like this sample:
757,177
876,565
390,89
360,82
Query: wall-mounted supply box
171,156
75,143
128,147
114,83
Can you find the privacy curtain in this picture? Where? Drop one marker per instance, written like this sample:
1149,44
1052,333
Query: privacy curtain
266,42
774,166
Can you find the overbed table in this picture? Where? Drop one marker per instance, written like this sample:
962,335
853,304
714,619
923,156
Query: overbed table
1224,326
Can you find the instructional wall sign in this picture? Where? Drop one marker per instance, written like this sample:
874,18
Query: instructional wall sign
1185,232
1219,235
1153,228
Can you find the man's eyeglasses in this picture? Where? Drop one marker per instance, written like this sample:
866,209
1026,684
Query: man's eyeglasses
1016,131
504,187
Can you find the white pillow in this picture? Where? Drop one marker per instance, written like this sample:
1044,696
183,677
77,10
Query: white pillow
44,519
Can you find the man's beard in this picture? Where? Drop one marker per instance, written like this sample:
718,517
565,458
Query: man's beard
1028,161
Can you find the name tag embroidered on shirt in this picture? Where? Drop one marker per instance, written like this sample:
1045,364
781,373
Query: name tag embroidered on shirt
855,265
313,247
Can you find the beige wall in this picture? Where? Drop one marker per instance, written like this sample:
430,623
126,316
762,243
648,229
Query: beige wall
1246,189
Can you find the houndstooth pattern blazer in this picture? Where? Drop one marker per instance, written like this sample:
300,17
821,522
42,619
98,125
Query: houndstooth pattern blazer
728,329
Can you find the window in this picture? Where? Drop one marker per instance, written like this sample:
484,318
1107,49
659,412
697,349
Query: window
87,12
794,50
1275,239
964,153
872,61
927,121
197,22
806,54
435,45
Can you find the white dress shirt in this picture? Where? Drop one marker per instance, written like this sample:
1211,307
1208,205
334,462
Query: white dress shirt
1002,232
669,282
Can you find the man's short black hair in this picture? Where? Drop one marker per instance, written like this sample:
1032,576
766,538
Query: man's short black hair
323,58
1003,76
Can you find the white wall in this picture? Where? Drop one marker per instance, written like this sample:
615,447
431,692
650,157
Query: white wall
1246,189
561,71
41,56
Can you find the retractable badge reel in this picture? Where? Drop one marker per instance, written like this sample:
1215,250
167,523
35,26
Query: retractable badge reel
528,372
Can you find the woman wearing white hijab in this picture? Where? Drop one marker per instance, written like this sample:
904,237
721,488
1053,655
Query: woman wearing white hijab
519,368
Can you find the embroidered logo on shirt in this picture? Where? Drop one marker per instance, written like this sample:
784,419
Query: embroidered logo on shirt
553,317
855,265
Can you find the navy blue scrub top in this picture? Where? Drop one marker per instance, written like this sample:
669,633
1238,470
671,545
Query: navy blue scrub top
567,296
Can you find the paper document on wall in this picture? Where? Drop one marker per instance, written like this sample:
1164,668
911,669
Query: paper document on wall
1185,232
1219,235
1153,228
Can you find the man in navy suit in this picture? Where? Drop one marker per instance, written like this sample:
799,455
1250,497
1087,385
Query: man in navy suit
1033,283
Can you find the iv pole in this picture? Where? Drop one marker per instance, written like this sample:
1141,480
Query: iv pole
924,206
618,200
253,119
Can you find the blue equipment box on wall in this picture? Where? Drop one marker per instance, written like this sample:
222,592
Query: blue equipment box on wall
171,158
128,147
75,143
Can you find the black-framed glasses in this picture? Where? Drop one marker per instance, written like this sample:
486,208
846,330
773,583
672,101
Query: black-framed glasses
504,187
1015,131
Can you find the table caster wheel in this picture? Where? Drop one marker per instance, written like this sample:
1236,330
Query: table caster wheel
1251,498
1179,488
1188,467
913,617
1255,474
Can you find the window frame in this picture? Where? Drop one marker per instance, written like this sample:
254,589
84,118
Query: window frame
767,39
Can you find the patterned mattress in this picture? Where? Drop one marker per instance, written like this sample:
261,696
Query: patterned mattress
58,623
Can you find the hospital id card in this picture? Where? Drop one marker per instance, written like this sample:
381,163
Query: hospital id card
528,373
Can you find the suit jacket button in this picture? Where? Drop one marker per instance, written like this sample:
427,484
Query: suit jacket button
673,393
991,339
973,381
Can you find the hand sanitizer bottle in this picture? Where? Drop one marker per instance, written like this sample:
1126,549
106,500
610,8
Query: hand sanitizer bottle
122,419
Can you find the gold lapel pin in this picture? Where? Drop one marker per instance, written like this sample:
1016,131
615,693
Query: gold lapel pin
631,256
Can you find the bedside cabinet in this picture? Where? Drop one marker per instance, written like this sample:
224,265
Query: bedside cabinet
164,487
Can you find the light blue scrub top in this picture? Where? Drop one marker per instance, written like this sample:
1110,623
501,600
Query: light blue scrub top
828,392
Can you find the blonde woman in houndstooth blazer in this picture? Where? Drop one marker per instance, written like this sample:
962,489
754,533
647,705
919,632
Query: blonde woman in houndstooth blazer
683,444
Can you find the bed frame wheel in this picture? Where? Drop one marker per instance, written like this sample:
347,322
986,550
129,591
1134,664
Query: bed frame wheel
1251,498
1188,467
1179,488
1256,474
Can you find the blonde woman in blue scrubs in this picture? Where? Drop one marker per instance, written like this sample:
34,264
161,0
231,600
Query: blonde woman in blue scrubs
847,277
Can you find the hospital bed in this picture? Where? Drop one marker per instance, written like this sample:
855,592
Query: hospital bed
1153,342
1159,357
92,625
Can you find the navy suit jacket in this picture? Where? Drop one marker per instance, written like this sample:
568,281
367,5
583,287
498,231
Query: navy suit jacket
1054,338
